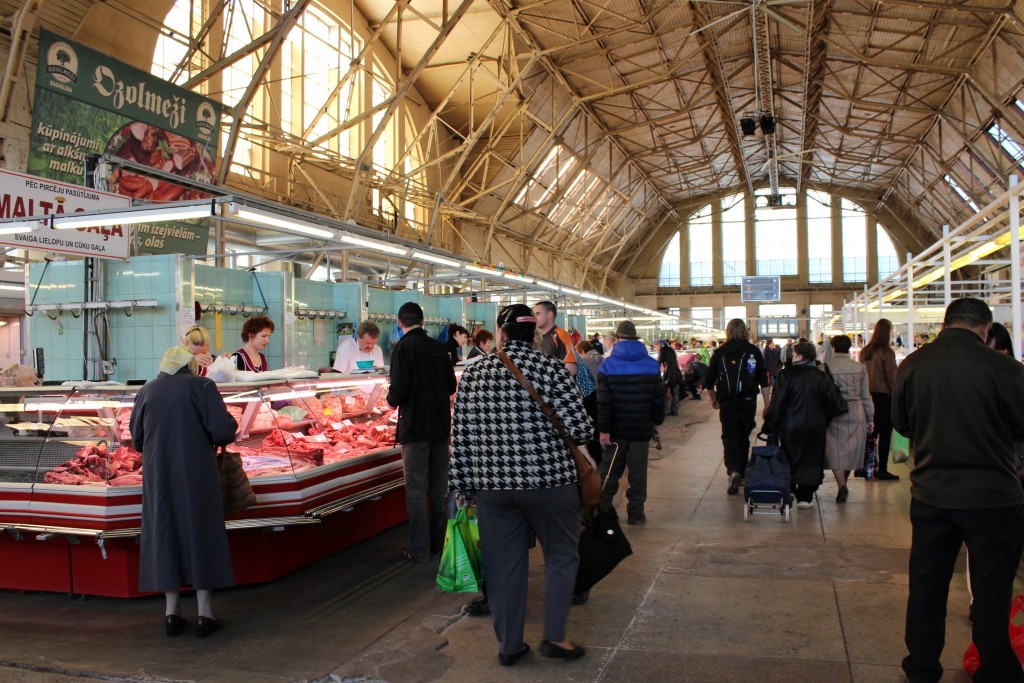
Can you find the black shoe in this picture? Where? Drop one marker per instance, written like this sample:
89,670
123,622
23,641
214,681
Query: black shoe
206,626
407,554
175,625
509,660
860,474
888,476
843,494
734,484
477,607
549,649
581,597
636,520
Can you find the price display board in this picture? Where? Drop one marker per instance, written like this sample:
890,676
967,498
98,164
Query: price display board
761,288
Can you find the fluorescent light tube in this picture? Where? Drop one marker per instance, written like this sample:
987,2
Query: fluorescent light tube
247,213
481,269
20,227
436,259
10,287
572,292
374,244
154,214
517,278
547,285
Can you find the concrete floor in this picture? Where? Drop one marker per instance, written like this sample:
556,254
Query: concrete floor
705,597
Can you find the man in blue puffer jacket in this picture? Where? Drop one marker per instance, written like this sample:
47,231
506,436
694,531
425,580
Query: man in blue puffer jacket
630,402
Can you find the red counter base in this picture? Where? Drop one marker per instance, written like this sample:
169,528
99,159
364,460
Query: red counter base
259,554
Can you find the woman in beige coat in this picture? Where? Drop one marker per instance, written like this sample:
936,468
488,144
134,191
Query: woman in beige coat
847,434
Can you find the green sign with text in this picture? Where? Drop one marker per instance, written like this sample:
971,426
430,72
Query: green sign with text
88,104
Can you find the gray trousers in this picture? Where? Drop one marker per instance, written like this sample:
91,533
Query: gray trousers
505,519
426,480
632,454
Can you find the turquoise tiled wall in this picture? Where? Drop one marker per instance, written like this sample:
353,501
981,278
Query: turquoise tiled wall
139,340
305,351
59,335
487,313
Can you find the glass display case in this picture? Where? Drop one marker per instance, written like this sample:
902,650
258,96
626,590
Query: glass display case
311,448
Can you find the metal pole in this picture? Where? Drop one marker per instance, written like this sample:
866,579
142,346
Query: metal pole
910,302
1014,219
947,276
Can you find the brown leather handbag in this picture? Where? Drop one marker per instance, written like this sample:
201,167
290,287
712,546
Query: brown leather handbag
235,490
586,474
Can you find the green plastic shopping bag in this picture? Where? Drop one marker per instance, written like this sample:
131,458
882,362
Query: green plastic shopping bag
461,568
900,448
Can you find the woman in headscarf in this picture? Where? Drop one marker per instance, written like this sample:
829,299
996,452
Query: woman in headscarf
178,421
803,402
507,452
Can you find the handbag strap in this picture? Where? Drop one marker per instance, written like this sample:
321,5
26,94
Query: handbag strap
545,407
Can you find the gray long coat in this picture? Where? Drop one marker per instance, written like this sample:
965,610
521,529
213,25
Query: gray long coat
848,433
176,423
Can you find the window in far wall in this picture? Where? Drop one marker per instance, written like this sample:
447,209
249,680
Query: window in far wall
669,276
734,240
819,237
888,261
699,233
855,243
703,315
730,312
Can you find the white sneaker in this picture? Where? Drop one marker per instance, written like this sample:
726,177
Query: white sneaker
804,505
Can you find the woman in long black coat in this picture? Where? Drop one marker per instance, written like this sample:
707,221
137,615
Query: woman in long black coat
177,422
803,402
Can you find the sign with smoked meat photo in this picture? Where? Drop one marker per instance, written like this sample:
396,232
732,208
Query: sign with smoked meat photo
88,104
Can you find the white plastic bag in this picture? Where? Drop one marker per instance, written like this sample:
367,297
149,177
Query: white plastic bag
222,369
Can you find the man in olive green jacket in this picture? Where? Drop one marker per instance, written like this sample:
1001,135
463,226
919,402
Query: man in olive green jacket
962,404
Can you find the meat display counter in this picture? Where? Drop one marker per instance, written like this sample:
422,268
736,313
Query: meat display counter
320,454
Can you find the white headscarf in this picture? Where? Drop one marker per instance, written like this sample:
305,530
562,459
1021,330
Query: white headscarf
174,359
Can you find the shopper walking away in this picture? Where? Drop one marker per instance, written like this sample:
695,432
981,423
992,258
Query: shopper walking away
178,421
672,376
772,359
960,403
847,434
507,451
735,376
804,400
880,360
422,382
630,403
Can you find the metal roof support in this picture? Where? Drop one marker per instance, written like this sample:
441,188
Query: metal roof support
21,29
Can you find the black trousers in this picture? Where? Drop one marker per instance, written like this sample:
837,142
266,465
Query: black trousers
994,539
883,428
738,420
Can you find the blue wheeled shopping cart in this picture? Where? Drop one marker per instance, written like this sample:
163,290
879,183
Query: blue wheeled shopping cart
766,483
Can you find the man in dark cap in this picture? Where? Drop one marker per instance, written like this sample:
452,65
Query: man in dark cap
422,382
630,402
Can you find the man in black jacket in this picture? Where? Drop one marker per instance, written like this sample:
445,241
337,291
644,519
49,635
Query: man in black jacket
422,382
735,376
630,402
960,403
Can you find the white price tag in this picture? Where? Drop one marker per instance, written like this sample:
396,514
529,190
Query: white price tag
320,438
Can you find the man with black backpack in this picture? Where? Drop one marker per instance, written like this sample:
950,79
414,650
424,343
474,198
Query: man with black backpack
735,376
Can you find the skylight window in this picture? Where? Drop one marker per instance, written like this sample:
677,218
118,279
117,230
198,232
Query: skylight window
556,164
960,192
1008,144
